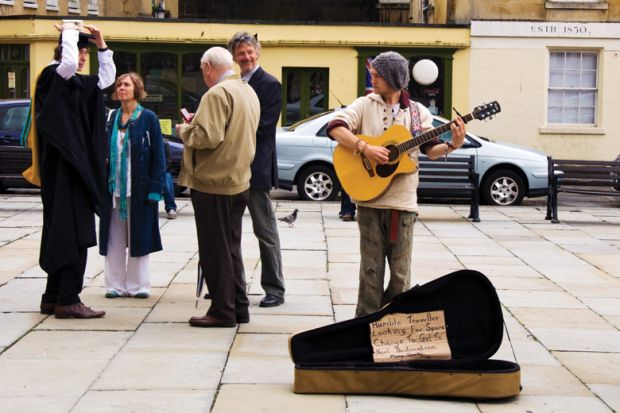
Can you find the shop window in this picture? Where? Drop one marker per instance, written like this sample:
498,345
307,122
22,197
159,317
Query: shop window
306,93
573,87
437,96
173,80
14,71
193,85
159,72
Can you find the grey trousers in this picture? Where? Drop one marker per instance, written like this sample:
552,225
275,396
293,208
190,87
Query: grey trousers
266,230
375,247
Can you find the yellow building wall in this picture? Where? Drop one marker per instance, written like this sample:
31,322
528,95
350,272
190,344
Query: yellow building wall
332,47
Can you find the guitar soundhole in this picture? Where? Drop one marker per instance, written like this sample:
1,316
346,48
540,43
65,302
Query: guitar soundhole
394,153
386,170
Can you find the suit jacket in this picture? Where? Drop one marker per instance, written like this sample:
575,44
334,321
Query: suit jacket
265,164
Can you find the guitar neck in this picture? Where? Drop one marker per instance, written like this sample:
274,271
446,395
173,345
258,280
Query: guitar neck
413,143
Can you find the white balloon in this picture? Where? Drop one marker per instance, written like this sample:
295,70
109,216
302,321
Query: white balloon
425,72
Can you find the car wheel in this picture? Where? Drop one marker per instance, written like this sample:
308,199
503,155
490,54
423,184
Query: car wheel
178,190
318,183
503,188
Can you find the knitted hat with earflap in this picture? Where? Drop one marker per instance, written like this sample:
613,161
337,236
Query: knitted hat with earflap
393,68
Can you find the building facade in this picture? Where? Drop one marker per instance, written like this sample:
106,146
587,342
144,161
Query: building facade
550,63
321,66
553,66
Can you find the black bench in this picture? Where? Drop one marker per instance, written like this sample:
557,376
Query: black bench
13,161
454,177
600,178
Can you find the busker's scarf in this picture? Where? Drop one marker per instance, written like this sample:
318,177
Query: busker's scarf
124,155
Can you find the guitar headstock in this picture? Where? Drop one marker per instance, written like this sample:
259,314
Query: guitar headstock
486,111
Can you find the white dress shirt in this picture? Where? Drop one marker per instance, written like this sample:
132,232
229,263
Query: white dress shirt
69,62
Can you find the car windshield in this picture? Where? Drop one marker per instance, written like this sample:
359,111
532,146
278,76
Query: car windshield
306,120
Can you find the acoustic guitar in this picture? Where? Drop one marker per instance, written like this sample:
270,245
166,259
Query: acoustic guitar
364,180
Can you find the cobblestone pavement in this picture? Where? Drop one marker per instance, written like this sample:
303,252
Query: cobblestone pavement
559,287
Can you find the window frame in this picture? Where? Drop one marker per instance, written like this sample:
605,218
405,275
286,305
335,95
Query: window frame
73,6
52,5
596,101
93,7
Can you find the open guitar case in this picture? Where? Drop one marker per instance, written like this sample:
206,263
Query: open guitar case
338,358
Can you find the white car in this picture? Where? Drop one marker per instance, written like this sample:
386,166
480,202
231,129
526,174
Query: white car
507,172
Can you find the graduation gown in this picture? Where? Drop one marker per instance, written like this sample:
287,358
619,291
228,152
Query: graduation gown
71,135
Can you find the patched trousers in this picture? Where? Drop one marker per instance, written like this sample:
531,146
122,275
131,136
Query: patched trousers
385,235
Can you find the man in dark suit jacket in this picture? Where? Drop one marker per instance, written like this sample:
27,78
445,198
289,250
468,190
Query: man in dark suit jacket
245,49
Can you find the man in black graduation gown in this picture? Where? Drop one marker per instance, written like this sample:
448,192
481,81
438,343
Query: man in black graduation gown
72,146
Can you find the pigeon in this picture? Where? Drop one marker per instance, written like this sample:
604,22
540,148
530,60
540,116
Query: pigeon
290,219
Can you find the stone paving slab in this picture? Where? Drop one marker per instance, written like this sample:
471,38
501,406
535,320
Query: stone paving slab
283,324
547,404
140,369
116,319
365,404
40,378
15,325
280,398
129,401
36,404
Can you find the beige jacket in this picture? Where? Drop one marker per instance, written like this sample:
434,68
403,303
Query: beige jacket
369,115
220,142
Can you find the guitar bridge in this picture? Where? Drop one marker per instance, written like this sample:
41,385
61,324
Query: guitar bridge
367,165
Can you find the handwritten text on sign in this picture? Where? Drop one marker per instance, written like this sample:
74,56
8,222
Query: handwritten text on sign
401,336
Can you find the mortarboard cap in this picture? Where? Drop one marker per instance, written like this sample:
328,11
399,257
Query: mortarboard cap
83,40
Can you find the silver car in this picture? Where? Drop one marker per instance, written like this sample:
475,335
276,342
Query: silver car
507,172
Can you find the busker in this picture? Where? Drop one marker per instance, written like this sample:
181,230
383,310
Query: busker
220,143
245,49
70,126
386,222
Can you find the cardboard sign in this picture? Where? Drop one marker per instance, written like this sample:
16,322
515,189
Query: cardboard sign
399,336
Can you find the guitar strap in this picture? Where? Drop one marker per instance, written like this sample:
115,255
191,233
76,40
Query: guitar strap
416,129
416,125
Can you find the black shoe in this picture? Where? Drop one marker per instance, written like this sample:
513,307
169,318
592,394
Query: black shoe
271,300
207,296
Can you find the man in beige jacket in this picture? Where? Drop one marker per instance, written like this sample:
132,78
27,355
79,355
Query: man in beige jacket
220,143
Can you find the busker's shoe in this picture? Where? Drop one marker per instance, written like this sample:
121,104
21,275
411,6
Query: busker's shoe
78,310
271,300
48,308
172,214
142,295
208,321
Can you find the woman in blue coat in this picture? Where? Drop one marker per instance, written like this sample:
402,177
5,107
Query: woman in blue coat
129,229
